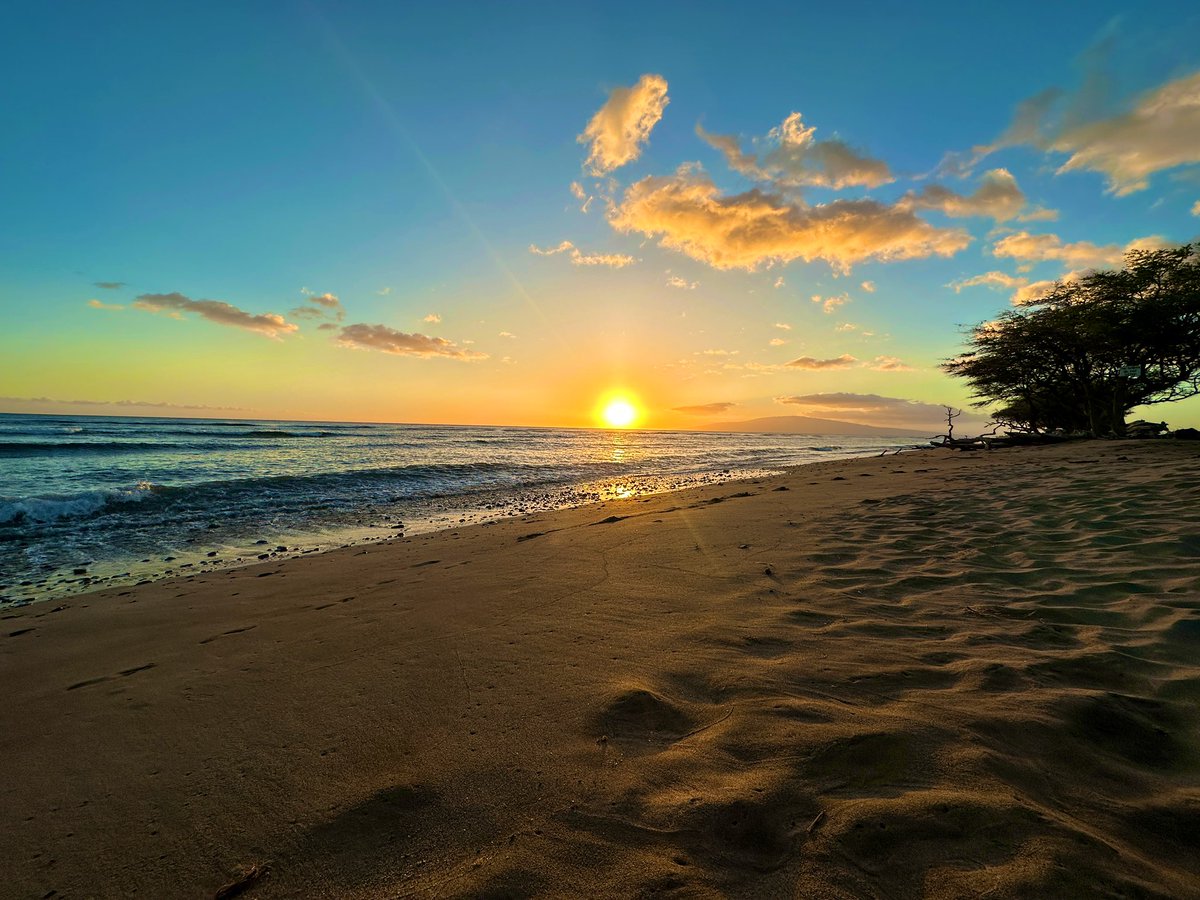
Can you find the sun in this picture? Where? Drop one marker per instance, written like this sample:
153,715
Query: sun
618,412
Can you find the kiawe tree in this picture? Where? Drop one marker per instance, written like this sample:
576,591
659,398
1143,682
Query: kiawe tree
1085,354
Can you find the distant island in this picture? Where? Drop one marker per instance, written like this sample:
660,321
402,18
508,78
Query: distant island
810,425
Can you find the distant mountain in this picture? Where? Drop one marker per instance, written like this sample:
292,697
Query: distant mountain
809,425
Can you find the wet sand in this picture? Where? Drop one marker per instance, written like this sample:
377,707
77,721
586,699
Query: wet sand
937,674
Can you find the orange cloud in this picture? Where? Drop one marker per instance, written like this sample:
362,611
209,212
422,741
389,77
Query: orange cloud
794,158
997,197
389,340
705,409
218,311
617,131
838,362
745,231
579,258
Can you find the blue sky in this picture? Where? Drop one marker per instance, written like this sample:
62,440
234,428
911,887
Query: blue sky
404,159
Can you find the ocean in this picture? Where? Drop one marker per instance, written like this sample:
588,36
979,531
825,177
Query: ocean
97,501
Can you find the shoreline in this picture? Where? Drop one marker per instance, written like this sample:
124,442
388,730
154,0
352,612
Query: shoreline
898,671
411,516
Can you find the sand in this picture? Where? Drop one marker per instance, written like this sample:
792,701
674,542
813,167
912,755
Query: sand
938,674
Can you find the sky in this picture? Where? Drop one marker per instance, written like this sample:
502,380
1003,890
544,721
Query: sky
510,213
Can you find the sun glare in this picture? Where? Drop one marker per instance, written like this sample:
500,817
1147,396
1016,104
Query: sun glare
619,413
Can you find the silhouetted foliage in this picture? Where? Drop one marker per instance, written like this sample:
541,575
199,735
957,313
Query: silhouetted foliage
1056,363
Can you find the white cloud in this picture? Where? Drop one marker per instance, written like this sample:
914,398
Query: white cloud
846,326
783,325
507,334
682,283
830,304
808,362
869,287
579,258
779,282
777,342
384,291
389,340
792,157
745,231
432,319
616,133
218,311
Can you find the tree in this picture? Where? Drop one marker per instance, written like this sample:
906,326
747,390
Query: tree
1085,354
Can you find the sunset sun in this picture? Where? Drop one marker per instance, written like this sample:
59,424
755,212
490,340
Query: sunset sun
618,412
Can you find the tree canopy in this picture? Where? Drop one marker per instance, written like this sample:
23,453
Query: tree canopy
1082,356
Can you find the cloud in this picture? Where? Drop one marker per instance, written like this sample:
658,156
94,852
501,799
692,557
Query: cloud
108,286
829,304
682,283
869,287
507,334
384,291
1159,131
889,364
218,311
136,404
100,304
705,409
784,325
846,326
389,340
616,133
745,231
579,258
792,157
989,279
612,260
878,409
1082,254
716,352
1024,290
581,195
1039,214
324,307
329,301
779,282
838,362
432,318
997,197
1196,208
777,342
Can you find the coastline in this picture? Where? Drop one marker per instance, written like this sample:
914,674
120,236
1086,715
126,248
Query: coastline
940,673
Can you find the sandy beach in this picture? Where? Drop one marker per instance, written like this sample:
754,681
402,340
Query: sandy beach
934,674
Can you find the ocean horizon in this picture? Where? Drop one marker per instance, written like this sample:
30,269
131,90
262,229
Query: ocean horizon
98,501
